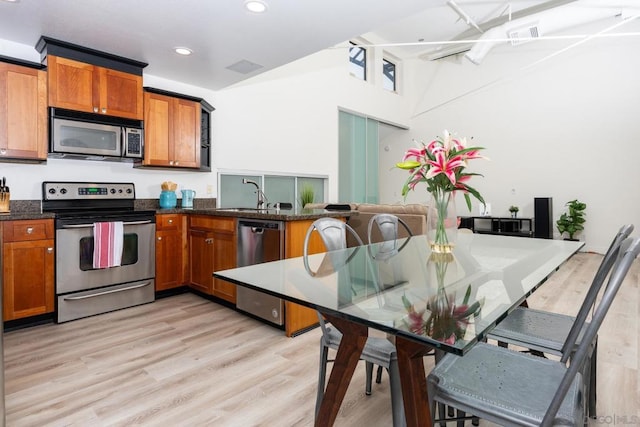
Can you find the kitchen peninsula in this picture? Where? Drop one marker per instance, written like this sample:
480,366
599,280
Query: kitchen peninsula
193,243
190,245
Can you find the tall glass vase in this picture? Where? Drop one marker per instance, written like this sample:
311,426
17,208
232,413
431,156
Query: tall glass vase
442,222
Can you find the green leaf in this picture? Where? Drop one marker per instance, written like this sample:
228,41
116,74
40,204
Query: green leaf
467,295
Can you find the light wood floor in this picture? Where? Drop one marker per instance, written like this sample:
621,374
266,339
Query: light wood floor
185,361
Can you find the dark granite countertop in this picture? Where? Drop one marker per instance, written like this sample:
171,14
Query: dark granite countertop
271,214
17,216
31,209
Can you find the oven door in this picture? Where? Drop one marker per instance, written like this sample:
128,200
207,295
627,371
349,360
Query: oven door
74,257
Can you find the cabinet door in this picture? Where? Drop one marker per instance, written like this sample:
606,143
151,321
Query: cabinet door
23,112
201,260
171,256
172,131
224,257
186,134
73,85
121,94
169,266
158,129
28,280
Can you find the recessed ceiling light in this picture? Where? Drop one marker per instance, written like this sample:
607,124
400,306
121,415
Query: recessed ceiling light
255,6
183,51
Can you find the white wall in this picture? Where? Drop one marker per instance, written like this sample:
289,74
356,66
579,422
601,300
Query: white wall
567,128
287,119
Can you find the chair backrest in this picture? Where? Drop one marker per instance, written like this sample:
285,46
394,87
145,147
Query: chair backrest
333,233
628,252
388,226
589,301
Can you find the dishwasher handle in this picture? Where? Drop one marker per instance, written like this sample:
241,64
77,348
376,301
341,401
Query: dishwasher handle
261,223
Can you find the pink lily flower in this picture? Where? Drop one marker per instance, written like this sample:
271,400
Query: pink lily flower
415,153
444,165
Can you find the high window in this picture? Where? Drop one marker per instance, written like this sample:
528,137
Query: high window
358,61
388,75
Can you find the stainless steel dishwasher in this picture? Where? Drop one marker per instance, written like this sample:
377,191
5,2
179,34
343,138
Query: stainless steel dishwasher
260,241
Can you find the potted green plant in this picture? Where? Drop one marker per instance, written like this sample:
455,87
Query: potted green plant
514,211
306,195
571,222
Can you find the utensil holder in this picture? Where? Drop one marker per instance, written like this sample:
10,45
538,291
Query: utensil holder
4,202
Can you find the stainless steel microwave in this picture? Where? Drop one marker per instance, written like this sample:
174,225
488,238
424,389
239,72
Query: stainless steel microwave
75,134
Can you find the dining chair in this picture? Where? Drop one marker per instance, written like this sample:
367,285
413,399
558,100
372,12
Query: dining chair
388,227
377,350
513,388
547,332
387,224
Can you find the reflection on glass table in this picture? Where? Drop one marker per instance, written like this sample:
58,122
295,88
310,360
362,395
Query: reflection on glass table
376,286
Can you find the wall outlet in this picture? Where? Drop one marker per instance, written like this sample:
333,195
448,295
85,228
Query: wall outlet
209,189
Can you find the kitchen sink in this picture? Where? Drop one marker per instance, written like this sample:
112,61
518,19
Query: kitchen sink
242,209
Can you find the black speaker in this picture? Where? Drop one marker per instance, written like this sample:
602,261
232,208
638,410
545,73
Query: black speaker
543,217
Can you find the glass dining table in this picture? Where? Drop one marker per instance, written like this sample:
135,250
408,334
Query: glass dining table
425,299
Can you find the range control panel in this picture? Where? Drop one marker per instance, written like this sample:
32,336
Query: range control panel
52,190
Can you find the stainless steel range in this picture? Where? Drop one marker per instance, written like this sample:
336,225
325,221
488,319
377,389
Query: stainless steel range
81,289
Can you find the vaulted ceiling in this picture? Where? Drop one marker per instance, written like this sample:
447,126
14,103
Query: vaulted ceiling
230,44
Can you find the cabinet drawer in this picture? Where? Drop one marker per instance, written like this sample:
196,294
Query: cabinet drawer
168,221
213,223
17,231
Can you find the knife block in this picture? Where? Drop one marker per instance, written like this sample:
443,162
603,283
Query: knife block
4,202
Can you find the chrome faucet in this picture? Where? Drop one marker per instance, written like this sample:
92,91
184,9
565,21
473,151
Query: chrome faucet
261,196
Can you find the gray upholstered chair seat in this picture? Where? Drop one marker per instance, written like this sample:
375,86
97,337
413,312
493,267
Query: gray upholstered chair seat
535,329
518,388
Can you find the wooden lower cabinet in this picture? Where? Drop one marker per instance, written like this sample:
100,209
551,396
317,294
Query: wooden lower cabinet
298,317
212,247
171,251
28,257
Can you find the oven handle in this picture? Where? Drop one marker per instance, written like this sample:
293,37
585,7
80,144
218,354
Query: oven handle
141,285
148,221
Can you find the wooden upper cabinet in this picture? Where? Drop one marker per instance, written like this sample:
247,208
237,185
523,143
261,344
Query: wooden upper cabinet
172,131
23,112
121,94
79,86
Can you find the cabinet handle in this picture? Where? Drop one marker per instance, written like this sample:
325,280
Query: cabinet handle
170,221
209,241
3,151
29,230
159,238
104,111
49,250
171,162
177,163
95,109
